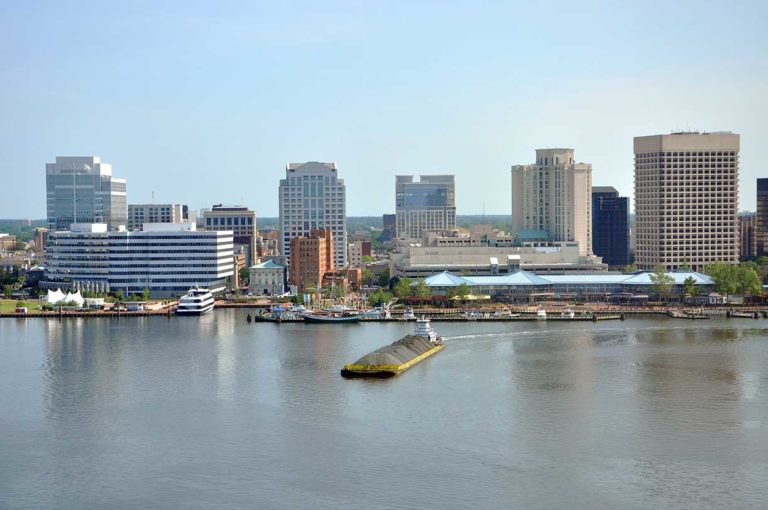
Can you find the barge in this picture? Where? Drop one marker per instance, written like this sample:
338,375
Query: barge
398,357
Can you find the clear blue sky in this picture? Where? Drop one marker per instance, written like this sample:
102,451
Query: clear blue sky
205,102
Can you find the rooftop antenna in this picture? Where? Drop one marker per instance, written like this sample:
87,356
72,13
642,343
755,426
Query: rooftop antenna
483,212
153,198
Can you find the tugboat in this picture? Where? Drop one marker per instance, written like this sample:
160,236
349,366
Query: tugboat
196,302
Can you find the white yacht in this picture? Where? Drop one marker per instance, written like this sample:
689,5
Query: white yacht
196,302
541,314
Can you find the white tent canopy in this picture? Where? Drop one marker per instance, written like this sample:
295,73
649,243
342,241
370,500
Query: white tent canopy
56,297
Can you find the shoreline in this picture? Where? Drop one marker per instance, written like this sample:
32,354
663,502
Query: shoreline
582,313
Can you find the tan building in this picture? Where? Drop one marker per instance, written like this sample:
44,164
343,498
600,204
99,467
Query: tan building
686,199
311,257
7,241
41,234
238,219
554,195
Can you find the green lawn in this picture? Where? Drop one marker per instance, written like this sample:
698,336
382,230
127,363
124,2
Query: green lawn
9,305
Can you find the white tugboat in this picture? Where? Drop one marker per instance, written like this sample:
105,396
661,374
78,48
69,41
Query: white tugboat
196,302
424,330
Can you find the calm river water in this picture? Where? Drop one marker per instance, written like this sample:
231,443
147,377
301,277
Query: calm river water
212,412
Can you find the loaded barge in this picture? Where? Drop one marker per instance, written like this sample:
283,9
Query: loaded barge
398,357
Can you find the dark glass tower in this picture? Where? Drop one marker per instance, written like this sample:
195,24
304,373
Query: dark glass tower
761,233
610,225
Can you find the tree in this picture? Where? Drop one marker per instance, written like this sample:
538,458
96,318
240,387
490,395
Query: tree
724,276
661,282
298,299
145,294
462,291
402,288
119,296
366,276
689,285
367,259
245,276
20,246
421,289
748,281
380,298
631,268
7,291
384,279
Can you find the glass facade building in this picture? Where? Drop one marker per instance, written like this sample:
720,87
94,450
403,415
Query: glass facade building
82,190
761,228
429,204
610,226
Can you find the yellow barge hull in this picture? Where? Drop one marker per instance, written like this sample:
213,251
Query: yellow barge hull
387,370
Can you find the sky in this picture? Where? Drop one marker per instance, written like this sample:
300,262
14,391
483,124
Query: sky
205,102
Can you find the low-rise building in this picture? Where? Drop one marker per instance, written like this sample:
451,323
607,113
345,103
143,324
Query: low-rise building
166,258
525,286
7,241
267,279
422,261
356,250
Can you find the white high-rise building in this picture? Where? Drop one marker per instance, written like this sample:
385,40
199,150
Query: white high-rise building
166,258
686,200
427,204
82,190
554,196
313,197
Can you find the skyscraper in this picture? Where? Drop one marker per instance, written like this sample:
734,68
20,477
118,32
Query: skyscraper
686,199
761,227
313,197
82,190
554,195
610,225
429,204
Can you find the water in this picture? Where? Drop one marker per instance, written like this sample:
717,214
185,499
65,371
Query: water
213,412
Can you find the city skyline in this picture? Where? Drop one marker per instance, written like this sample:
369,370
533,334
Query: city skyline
226,95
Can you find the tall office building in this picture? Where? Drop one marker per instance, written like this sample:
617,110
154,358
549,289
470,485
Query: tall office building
389,227
82,190
610,225
313,197
761,220
138,214
427,204
241,221
686,199
554,195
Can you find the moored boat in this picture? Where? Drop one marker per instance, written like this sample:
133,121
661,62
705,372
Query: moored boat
196,302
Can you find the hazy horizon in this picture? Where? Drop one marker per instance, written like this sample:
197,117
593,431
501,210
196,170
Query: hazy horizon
204,104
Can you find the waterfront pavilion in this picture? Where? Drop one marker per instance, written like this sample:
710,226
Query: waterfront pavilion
524,286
